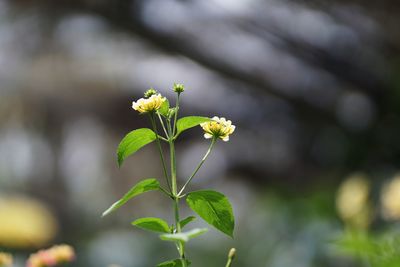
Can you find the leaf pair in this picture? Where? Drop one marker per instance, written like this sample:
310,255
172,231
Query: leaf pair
137,139
210,205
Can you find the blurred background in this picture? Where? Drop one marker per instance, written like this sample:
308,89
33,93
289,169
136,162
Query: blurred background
312,87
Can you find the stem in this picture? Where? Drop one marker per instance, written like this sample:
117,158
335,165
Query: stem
153,123
214,139
176,114
180,244
162,124
231,256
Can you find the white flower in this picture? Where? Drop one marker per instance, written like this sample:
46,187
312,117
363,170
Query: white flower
152,103
218,127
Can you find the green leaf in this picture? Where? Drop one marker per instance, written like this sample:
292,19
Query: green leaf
189,122
164,108
187,220
133,141
152,224
173,263
214,208
184,236
139,188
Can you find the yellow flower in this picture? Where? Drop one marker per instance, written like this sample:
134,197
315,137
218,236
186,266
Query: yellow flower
25,222
218,127
390,199
352,201
152,103
5,259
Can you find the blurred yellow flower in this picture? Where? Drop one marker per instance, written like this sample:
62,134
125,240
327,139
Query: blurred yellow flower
390,199
352,201
51,257
6,259
218,127
25,223
152,103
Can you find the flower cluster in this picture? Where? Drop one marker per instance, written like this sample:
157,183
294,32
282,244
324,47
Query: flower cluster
51,257
218,128
6,259
153,103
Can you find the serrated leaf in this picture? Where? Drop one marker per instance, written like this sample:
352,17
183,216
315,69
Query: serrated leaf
189,122
214,208
164,108
140,188
184,236
187,220
134,141
173,263
152,224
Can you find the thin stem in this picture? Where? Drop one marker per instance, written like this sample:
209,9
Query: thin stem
162,124
231,256
180,244
153,123
176,114
199,166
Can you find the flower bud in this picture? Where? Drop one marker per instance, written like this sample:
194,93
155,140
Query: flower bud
179,88
232,253
150,92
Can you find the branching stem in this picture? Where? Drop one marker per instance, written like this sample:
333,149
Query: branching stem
198,166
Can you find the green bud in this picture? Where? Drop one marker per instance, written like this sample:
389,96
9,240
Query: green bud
232,253
150,92
179,88
171,112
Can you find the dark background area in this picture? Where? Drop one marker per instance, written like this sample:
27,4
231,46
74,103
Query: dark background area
312,87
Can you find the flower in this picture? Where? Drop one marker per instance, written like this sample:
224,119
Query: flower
218,128
25,222
51,257
150,104
352,201
179,88
5,259
390,199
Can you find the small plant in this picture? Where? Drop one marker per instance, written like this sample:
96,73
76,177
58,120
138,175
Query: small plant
212,206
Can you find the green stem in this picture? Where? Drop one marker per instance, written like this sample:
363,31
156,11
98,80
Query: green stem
162,124
153,123
214,139
176,115
231,256
180,244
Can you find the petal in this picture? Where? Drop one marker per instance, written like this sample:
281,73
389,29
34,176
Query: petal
226,138
207,136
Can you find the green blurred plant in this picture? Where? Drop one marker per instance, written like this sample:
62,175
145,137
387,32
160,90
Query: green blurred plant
355,207
212,206
371,250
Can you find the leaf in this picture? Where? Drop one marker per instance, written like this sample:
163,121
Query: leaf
189,122
187,220
164,108
134,141
214,208
173,263
152,224
184,236
139,188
